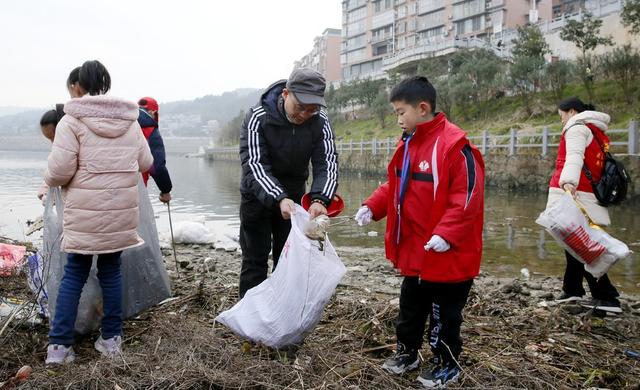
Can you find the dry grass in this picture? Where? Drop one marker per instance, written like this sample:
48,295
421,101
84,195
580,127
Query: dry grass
509,343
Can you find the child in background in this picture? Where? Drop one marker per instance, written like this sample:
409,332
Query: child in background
97,154
433,201
48,123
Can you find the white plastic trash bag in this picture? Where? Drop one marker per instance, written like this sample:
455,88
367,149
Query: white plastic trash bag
588,243
144,277
286,307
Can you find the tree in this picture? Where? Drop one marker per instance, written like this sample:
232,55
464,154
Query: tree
623,66
524,77
585,35
558,75
530,43
230,133
476,78
631,15
381,107
526,72
367,90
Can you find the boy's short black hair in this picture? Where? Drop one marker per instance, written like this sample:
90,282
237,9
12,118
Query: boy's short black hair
413,91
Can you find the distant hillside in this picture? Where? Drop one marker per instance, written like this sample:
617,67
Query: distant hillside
187,118
10,110
214,107
22,123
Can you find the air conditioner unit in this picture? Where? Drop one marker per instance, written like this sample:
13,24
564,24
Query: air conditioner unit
450,28
450,16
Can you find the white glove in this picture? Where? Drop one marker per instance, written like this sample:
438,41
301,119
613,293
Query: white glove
437,244
363,216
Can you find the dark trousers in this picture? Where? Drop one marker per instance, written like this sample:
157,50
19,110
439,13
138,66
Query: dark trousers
572,284
442,304
261,230
76,272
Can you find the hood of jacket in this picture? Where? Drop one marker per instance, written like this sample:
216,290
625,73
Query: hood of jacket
600,119
106,116
272,104
146,120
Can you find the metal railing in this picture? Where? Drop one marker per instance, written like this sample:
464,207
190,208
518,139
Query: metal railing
622,141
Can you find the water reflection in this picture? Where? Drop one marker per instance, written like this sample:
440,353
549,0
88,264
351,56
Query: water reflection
209,190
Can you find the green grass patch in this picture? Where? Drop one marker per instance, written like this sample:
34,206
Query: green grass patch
506,113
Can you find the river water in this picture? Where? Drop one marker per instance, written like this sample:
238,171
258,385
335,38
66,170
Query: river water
209,190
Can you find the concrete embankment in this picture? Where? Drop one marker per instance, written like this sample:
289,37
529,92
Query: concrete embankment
519,172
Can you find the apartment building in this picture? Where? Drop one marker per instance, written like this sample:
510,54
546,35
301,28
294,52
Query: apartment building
379,35
325,55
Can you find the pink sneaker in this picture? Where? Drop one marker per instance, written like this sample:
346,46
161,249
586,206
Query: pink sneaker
59,354
110,348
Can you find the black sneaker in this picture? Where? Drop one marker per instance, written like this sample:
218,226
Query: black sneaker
439,375
599,304
403,360
566,298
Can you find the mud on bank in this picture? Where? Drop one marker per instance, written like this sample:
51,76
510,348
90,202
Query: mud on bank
510,342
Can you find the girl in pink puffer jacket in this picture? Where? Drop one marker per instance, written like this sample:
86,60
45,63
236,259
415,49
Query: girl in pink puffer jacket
97,154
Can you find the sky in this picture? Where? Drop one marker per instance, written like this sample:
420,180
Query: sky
167,49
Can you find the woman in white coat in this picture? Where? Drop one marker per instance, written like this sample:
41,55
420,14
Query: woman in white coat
582,146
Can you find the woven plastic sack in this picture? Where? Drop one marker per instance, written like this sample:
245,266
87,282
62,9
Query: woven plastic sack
144,277
586,242
35,280
287,306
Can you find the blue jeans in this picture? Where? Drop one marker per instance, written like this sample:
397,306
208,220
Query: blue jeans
76,272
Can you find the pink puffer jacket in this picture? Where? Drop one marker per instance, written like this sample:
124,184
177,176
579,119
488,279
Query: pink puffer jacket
96,156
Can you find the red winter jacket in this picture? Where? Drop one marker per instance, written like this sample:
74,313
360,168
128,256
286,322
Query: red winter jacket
593,159
445,196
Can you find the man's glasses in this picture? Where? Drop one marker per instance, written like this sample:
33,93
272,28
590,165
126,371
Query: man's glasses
310,109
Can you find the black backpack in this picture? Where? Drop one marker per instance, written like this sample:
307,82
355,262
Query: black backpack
612,187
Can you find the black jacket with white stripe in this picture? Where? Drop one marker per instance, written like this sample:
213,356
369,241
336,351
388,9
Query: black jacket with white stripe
275,153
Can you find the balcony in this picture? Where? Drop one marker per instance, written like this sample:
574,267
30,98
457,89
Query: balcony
434,49
381,38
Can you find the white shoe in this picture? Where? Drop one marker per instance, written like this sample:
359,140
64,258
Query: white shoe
59,354
110,348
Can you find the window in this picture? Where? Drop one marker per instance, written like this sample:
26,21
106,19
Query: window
355,55
382,5
429,5
470,25
366,68
381,34
380,50
355,42
356,14
468,8
412,25
431,20
355,28
402,11
402,43
432,34
401,27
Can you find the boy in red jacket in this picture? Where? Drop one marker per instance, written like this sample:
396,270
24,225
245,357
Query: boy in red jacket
433,201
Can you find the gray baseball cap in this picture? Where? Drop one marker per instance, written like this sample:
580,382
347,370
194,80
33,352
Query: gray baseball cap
307,86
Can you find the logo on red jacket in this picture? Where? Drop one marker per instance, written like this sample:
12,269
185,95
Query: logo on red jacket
424,165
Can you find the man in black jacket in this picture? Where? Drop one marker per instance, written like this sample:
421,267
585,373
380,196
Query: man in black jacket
286,130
